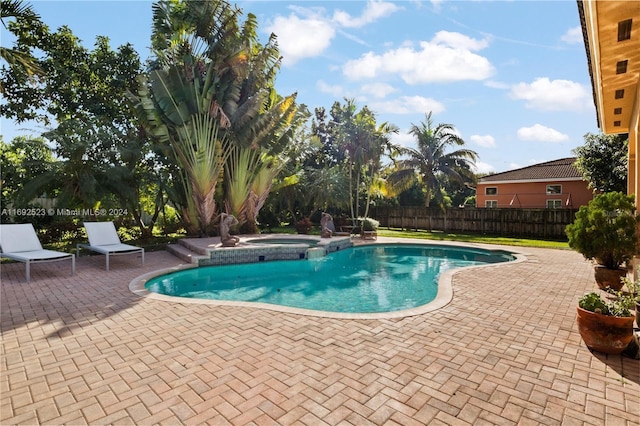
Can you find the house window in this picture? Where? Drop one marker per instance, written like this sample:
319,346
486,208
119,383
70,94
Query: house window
554,204
491,190
491,204
624,29
554,189
621,66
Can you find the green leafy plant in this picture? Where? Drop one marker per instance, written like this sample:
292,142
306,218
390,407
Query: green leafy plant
633,288
605,229
618,307
369,224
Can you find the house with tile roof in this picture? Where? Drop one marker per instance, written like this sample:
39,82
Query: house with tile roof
552,185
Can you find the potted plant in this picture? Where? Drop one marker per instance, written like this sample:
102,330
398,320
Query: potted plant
304,225
606,325
604,231
634,293
369,228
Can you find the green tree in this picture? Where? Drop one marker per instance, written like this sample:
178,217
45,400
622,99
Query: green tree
22,161
326,132
311,179
17,16
602,160
362,143
431,162
104,156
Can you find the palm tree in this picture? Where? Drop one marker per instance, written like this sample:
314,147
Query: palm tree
381,144
430,162
356,133
25,15
363,143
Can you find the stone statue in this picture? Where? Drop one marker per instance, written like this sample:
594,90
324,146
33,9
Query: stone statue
327,226
226,222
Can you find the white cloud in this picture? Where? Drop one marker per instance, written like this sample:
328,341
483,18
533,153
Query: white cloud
447,57
460,41
407,105
404,138
513,166
483,168
300,38
437,4
486,141
308,32
573,35
334,90
552,95
540,133
377,90
496,84
373,11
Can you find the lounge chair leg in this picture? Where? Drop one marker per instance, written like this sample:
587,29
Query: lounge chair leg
142,257
107,261
28,272
73,265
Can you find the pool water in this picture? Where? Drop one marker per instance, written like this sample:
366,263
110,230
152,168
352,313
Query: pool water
366,279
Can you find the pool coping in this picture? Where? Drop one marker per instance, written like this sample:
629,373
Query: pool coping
443,297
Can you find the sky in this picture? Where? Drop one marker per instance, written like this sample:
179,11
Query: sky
510,76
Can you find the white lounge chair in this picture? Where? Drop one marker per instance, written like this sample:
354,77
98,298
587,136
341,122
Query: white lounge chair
20,242
104,239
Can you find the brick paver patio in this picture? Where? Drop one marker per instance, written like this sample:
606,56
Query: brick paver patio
506,350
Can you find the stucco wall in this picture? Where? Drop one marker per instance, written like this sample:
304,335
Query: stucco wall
533,194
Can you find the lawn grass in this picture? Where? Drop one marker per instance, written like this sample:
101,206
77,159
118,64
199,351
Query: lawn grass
474,238
446,236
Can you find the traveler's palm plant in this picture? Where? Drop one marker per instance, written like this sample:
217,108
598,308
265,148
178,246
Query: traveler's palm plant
210,93
183,115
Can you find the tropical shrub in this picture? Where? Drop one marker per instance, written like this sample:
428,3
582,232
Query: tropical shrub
605,229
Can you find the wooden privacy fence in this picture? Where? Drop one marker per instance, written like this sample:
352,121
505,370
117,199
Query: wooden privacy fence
513,222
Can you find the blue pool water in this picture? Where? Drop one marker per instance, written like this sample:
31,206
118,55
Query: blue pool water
366,279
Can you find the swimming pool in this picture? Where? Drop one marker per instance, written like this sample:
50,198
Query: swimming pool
365,279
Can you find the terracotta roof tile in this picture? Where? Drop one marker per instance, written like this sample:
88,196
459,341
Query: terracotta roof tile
556,169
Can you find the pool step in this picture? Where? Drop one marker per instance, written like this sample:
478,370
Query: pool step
183,252
316,252
199,246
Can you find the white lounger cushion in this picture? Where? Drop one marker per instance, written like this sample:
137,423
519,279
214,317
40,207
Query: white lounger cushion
113,248
20,242
103,238
101,233
15,238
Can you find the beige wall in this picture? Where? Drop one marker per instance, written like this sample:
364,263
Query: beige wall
634,161
533,194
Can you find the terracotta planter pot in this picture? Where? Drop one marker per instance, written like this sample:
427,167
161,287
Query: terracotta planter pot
604,333
609,277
